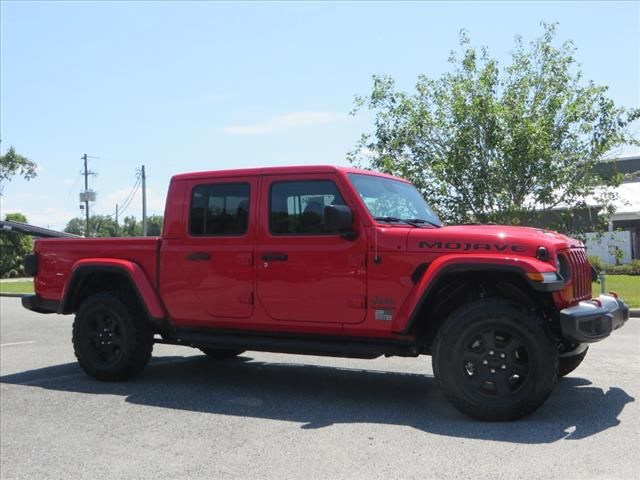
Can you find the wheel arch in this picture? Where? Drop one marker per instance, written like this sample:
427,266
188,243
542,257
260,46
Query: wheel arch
91,276
443,291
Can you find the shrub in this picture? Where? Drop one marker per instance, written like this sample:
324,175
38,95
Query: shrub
632,268
596,262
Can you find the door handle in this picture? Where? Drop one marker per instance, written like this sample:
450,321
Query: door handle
198,256
275,256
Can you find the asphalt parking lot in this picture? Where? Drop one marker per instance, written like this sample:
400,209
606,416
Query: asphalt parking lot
284,416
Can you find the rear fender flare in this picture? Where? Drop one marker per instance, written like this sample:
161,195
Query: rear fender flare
137,279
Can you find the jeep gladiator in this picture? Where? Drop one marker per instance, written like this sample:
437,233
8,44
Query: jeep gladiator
333,261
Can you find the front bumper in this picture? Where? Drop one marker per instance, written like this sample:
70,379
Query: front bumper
593,320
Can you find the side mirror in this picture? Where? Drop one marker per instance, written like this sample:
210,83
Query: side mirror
338,218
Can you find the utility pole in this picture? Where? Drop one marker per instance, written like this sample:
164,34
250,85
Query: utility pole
87,195
86,189
144,203
117,226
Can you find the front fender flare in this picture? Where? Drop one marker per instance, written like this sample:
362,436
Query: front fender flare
138,282
448,264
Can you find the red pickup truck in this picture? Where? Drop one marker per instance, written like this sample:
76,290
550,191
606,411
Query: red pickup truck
332,261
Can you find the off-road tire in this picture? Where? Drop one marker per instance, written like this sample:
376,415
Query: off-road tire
495,360
220,353
567,365
112,339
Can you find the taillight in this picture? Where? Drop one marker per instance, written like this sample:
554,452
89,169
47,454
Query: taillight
31,264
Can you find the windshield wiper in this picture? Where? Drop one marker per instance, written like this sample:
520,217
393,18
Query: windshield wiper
422,220
415,222
396,219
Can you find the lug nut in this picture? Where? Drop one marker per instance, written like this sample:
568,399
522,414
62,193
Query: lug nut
503,366
493,370
485,362
491,352
502,355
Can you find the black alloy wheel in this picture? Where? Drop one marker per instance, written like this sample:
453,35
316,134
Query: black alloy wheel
112,339
103,333
495,360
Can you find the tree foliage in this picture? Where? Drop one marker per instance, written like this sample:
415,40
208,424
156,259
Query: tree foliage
105,226
486,143
12,163
13,246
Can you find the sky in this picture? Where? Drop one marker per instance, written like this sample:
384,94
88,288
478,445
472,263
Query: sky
194,86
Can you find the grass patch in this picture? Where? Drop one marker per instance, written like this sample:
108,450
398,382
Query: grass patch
23,286
626,286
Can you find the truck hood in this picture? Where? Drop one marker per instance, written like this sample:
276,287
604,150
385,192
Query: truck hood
487,239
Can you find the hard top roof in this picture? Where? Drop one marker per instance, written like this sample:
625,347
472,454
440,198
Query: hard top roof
287,169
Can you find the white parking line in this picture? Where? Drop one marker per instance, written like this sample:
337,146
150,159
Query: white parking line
16,343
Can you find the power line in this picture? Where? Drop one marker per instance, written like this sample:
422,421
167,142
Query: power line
71,190
130,197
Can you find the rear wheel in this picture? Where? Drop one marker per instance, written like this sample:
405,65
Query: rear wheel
495,360
220,353
111,339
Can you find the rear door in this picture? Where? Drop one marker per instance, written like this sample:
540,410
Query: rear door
307,273
209,272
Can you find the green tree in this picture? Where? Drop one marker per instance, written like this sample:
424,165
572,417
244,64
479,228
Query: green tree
131,228
105,226
12,163
154,225
487,143
99,226
13,247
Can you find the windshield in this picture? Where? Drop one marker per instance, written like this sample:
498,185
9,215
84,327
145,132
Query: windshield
392,199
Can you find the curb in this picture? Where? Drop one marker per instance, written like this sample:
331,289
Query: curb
634,312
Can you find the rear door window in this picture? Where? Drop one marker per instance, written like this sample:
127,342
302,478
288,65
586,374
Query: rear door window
219,209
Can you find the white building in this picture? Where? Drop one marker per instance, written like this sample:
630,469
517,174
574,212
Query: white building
624,225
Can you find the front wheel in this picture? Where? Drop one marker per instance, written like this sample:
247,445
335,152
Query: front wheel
495,360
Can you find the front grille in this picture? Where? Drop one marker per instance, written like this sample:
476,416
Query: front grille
580,273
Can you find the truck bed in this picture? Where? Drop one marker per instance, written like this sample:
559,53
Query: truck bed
56,258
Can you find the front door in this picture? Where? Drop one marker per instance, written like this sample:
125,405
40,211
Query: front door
307,273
